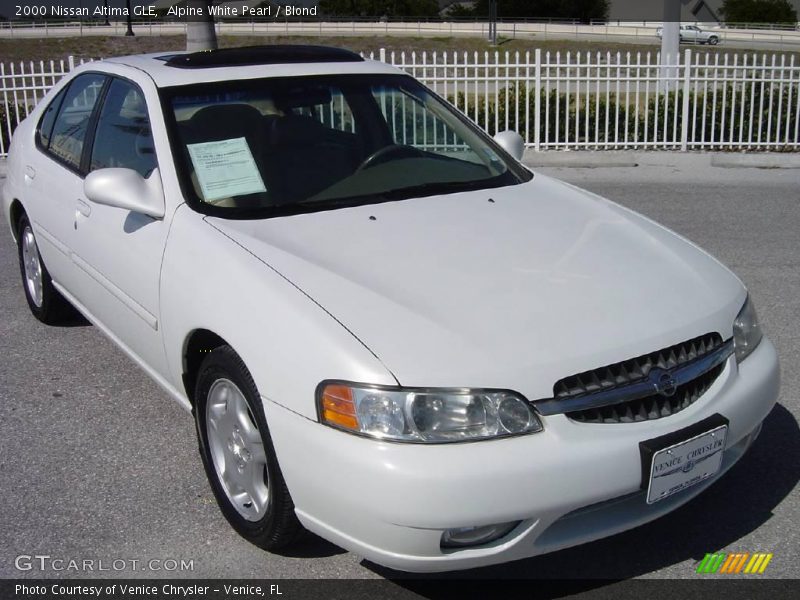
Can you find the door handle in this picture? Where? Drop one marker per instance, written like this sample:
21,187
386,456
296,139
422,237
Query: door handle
83,208
30,172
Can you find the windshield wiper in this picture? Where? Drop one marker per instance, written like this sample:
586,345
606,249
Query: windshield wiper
436,188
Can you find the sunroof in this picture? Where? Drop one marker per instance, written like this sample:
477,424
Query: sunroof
260,55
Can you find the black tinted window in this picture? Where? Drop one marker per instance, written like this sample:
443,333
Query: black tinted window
49,119
123,137
69,131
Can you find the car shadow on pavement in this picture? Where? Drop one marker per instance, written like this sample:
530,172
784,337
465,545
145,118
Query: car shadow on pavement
739,503
310,546
73,318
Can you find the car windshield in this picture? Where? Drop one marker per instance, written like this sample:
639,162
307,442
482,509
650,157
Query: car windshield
258,148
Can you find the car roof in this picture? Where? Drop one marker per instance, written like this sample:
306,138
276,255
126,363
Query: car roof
181,68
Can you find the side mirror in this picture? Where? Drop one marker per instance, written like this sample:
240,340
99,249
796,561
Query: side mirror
126,189
511,142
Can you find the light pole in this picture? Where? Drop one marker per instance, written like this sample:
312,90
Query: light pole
129,17
670,41
493,22
105,13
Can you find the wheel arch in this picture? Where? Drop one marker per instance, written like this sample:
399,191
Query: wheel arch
196,347
15,212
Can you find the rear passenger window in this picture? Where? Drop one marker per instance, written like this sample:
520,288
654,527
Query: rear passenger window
123,137
48,120
69,130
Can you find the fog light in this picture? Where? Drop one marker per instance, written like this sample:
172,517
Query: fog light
463,537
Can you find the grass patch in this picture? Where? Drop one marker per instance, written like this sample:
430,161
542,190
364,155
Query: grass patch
23,49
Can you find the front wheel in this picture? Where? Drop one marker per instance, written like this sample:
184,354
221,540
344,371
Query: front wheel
238,455
713,41
44,300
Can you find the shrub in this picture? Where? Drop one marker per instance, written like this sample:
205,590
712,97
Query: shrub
8,117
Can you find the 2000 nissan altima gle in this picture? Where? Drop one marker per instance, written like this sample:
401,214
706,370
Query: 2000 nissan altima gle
388,330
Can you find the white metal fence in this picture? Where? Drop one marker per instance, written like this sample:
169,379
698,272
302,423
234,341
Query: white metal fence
577,101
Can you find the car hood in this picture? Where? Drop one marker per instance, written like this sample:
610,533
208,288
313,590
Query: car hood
513,288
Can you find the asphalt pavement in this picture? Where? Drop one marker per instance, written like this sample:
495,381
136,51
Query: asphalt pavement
96,462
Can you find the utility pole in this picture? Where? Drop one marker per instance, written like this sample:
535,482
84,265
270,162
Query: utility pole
493,22
200,31
670,41
129,18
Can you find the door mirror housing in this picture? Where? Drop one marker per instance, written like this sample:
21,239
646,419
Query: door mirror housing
511,142
126,189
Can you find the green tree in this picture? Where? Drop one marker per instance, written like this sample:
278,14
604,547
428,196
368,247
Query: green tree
758,11
379,8
583,10
460,11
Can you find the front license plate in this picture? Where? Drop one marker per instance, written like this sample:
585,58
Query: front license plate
685,464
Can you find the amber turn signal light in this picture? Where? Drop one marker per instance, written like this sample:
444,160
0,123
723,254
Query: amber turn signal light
337,407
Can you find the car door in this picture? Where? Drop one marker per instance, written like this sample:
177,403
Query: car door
118,252
53,175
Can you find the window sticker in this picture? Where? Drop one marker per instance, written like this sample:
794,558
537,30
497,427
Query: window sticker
225,169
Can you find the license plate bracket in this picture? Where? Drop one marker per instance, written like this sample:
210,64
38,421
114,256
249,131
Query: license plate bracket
676,461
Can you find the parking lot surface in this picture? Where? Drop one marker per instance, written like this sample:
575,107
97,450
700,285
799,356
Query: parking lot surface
97,463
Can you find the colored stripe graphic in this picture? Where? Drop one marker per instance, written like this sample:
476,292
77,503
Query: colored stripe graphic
741,562
720,562
734,562
758,564
701,568
732,559
711,562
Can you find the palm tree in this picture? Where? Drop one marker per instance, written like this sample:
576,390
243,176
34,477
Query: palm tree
200,32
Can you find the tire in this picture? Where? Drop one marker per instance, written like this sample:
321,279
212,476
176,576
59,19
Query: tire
713,41
44,300
238,454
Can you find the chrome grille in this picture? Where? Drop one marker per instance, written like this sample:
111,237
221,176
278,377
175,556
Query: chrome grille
650,407
647,387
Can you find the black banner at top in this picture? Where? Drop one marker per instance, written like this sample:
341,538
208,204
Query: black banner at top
708,12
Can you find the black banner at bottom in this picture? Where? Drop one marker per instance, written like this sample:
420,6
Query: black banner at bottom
702,588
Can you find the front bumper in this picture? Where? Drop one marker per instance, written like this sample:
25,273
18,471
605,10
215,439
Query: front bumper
570,484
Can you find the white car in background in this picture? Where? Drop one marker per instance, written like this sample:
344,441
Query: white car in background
694,34
388,330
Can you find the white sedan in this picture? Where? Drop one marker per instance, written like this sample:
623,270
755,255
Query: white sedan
388,330
694,34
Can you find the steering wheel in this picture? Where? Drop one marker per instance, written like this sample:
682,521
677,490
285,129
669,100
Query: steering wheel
386,153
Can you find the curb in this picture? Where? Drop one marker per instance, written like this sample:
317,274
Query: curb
580,159
614,159
756,161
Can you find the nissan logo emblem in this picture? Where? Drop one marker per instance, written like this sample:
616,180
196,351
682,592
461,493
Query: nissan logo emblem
663,382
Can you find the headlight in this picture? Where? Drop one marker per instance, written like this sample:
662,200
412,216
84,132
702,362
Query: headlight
425,415
746,331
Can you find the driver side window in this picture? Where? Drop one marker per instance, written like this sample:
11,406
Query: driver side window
123,137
